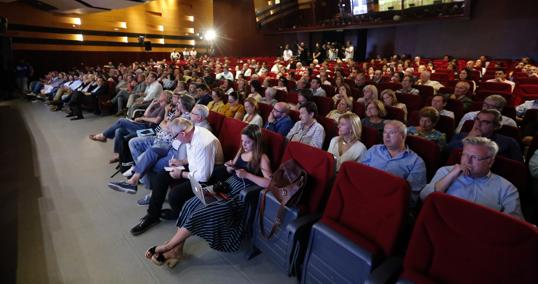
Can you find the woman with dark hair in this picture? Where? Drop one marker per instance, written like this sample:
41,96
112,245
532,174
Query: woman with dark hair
234,108
227,86
282,84
307,130
429,116
303,97
465,75
220,223
256,90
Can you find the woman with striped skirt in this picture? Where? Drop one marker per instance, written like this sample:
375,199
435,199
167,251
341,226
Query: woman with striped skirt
222,223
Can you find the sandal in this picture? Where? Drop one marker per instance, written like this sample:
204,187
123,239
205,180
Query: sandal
150,252
171,262
97,138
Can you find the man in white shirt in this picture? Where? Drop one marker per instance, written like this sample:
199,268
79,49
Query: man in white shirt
348,51
491,102
225,75
500,77
439,103
153,89
204,151
425,80
287,54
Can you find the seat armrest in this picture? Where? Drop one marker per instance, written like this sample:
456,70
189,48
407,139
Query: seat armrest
302,224
386,272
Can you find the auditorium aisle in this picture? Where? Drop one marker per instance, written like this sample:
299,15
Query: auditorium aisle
61,224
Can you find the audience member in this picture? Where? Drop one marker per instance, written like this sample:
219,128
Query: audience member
500,77
425,80
343,106
439,103
317,90
394,157
347,145
375,112
307,130
429,117
407,86
218,103
251,116
389,99
472,179
279,121
234,108
369,94
496,102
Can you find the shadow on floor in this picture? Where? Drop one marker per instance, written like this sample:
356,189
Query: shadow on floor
22,237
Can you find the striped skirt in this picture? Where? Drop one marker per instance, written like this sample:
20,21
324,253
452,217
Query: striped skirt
221,224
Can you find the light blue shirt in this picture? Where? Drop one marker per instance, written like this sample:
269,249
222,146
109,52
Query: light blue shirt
492,191
407,165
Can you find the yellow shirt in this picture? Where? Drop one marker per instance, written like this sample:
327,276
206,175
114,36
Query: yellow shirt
219,107
234,110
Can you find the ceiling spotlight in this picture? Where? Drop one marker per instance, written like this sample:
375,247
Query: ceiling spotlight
210,35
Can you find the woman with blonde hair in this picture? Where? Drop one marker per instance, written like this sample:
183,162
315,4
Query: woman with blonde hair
251,112
347,145
370,93
389,99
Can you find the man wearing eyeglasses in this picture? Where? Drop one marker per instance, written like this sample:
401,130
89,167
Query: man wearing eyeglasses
490,102
485,124
279,121
473,181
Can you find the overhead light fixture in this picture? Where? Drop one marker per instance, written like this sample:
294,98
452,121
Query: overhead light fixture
210,35
160,28
123,25
77,21
79,37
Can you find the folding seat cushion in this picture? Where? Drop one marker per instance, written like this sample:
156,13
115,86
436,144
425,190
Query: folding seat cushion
428,150
456,241
324,104
215,119
359,227
230,137
283,248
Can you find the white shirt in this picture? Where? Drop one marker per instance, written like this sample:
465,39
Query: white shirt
203,153
512,84
152,91
447,113
287,54
472,114
353,153
73,86
257,120
227,76
349,52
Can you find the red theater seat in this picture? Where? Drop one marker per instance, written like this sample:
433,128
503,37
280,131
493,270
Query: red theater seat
324,104
428,150
230,137
215,119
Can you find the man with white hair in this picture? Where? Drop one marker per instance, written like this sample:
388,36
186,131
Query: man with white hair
425,80
473,181
394,157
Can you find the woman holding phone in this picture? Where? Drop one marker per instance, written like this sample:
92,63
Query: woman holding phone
220,223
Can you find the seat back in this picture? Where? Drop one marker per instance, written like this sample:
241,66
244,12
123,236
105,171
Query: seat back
230,137
324,104
428,150
413,102
368,206
359,109
291,98
331,130
456,241
215,119
274,146
395,113
370,136
506,130
388,85
456,107
320,166
264,110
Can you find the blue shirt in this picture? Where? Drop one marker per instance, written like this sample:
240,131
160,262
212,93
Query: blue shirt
407,165
492,191
282,125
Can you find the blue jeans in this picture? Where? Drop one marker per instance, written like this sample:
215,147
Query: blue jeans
121,128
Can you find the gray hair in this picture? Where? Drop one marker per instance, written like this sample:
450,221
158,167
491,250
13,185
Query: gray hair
492,147
499,100
180,124
202,109
401,126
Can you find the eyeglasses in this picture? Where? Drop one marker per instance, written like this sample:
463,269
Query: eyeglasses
474,158
483,121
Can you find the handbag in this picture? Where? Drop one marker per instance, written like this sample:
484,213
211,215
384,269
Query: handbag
287,186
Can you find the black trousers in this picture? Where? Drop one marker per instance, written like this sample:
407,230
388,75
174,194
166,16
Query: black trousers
180,190
75,103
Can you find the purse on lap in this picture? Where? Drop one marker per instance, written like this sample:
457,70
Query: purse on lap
287,185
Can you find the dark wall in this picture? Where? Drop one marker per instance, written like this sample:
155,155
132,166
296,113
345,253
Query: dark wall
498,28
235,22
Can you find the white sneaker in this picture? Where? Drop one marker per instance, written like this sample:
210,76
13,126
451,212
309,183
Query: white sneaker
128,172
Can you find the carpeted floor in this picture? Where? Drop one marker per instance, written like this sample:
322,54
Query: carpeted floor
61,224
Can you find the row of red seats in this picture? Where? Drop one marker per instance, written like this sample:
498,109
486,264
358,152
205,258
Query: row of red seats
366,209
